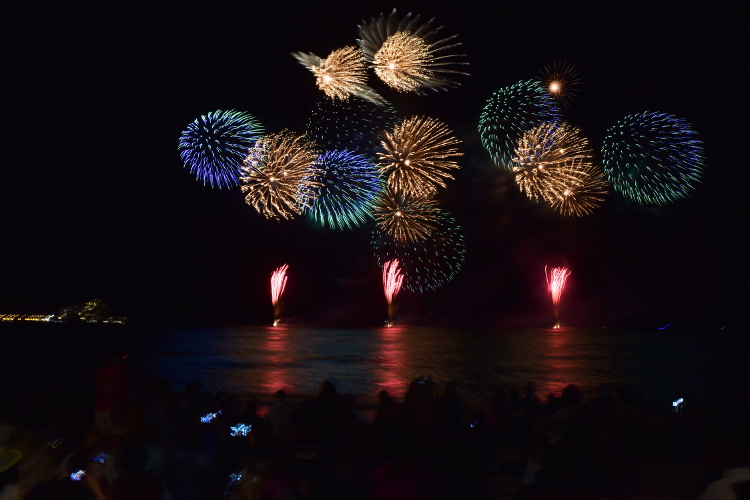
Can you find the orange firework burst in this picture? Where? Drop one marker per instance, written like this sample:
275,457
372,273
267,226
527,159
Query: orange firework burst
407,55
279,175
392,279
556,278
405,216
342,74
417,154
278,283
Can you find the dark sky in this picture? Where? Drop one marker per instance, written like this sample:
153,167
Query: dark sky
96,202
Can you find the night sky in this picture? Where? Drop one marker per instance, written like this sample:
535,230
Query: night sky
96,202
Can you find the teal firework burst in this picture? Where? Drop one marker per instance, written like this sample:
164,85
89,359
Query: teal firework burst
355,125
349,185
427,263
214,146
509,113
653,158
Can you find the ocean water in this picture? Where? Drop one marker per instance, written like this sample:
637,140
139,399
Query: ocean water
258,360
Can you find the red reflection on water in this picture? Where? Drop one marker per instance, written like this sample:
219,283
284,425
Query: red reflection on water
277,356
392,376
560,360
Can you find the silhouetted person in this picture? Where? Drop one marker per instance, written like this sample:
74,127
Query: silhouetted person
279,414
737,472
111,410
322,411
135,483
386,409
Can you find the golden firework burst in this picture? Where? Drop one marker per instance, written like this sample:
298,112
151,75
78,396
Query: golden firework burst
417,154
583,192
408,55
401,62
405,216
543,155
279,175
552,162
340,75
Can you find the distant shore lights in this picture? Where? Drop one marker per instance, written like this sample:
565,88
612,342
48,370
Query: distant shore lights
392,279
278,282
555,284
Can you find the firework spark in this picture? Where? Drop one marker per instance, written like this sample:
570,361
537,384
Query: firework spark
416,155
354,125
552,162
392,279
407,55
278,283
406,217
555,284
214,145
561,80
340,75
279,175
653,158
509,113
349,185
429,263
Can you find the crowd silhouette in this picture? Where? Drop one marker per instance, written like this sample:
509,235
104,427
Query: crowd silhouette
120,437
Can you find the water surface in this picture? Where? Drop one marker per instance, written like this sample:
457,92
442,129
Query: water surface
242,360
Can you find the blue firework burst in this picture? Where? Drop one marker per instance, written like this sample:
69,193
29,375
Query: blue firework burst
214,146
653,158
349,182
509,113
429,263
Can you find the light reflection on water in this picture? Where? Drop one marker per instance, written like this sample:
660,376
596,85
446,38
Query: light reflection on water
393,356
252,360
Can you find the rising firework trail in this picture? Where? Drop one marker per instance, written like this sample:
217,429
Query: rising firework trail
392,279
555,283
278,282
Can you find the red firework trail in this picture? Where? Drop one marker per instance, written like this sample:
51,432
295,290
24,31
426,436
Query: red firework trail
392,279
278,282
555,283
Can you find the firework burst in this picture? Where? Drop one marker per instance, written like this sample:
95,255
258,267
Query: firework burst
509,114
349,185
581,192
279,175
278,283
406,217
214,145
407,55
392,279
653,158
561,80
355,125
427,263
340,75
556,278
552,162
416,156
